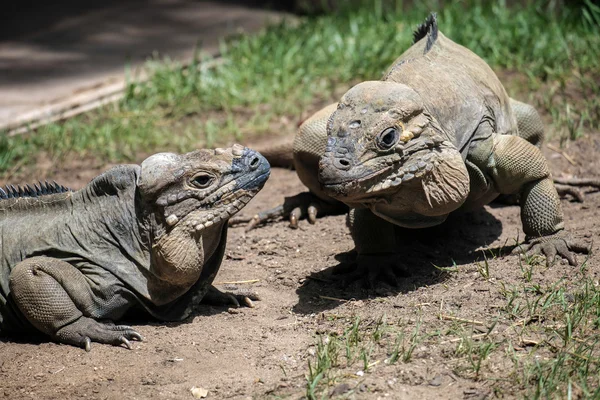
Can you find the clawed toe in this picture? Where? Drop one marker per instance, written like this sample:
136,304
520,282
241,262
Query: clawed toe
560,244
126,342
86,330
236,299
295,208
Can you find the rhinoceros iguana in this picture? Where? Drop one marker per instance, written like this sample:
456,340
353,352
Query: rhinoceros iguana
143,239
436,134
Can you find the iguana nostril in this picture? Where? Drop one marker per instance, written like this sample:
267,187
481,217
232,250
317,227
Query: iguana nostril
342,163
254,162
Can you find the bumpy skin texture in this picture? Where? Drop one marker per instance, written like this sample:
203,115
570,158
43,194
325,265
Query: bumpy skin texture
144,239
437,134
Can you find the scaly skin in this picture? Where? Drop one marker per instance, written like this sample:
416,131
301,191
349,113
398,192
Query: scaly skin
438,133
146,239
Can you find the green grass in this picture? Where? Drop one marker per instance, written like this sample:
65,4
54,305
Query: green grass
542,344
567,320
362,345
290,66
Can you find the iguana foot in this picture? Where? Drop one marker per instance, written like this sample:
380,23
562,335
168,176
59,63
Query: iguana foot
83,331
215,297
303,205
565,186
372,270
561,244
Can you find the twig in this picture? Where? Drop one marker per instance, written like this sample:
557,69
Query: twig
562,153
466,321
242,219
478,336
530,342
237,282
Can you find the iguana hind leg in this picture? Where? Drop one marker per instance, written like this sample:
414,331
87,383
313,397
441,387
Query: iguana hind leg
303,205
309,146
56,298
529,123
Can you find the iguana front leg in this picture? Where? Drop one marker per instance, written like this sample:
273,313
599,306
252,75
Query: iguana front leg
515,165
56,298
377,248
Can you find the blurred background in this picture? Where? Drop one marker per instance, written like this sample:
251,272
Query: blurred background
111,81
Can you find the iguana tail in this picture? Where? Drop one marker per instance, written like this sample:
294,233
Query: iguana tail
279,155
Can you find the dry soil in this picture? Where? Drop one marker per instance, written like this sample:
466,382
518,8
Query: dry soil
264,352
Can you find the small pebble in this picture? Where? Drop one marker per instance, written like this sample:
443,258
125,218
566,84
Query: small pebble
199,393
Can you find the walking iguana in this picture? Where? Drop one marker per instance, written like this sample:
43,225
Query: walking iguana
437,134
143,239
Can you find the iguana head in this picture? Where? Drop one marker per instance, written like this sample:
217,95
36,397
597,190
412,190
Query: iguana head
204,187
383,144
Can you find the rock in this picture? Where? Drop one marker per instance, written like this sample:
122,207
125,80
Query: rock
199,393
436,381
340,390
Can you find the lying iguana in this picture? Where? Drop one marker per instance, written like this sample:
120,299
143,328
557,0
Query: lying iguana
146,239
437,134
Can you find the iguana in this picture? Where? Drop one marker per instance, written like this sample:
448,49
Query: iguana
138,239
438,133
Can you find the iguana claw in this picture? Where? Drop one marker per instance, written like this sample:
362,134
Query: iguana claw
558,244
84,331
303,205
126,342
236,299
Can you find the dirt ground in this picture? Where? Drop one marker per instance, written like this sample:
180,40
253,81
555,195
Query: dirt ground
264,352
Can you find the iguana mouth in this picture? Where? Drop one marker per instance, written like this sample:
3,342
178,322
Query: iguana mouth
257,182
417,159
364,178
375,182
237,188
233,200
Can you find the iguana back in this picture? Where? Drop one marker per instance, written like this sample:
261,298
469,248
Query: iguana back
457,87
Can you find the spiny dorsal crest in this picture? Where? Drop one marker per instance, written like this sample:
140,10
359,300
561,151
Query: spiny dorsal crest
428,28
41,189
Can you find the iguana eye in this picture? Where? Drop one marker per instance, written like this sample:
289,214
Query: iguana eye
388,138
202,181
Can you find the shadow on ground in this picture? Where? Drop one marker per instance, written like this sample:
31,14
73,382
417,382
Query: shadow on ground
427,254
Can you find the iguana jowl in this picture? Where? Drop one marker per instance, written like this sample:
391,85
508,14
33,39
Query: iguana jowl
145,239
438,133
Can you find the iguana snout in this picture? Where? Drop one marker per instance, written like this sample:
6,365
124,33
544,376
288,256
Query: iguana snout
203,187
379,137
